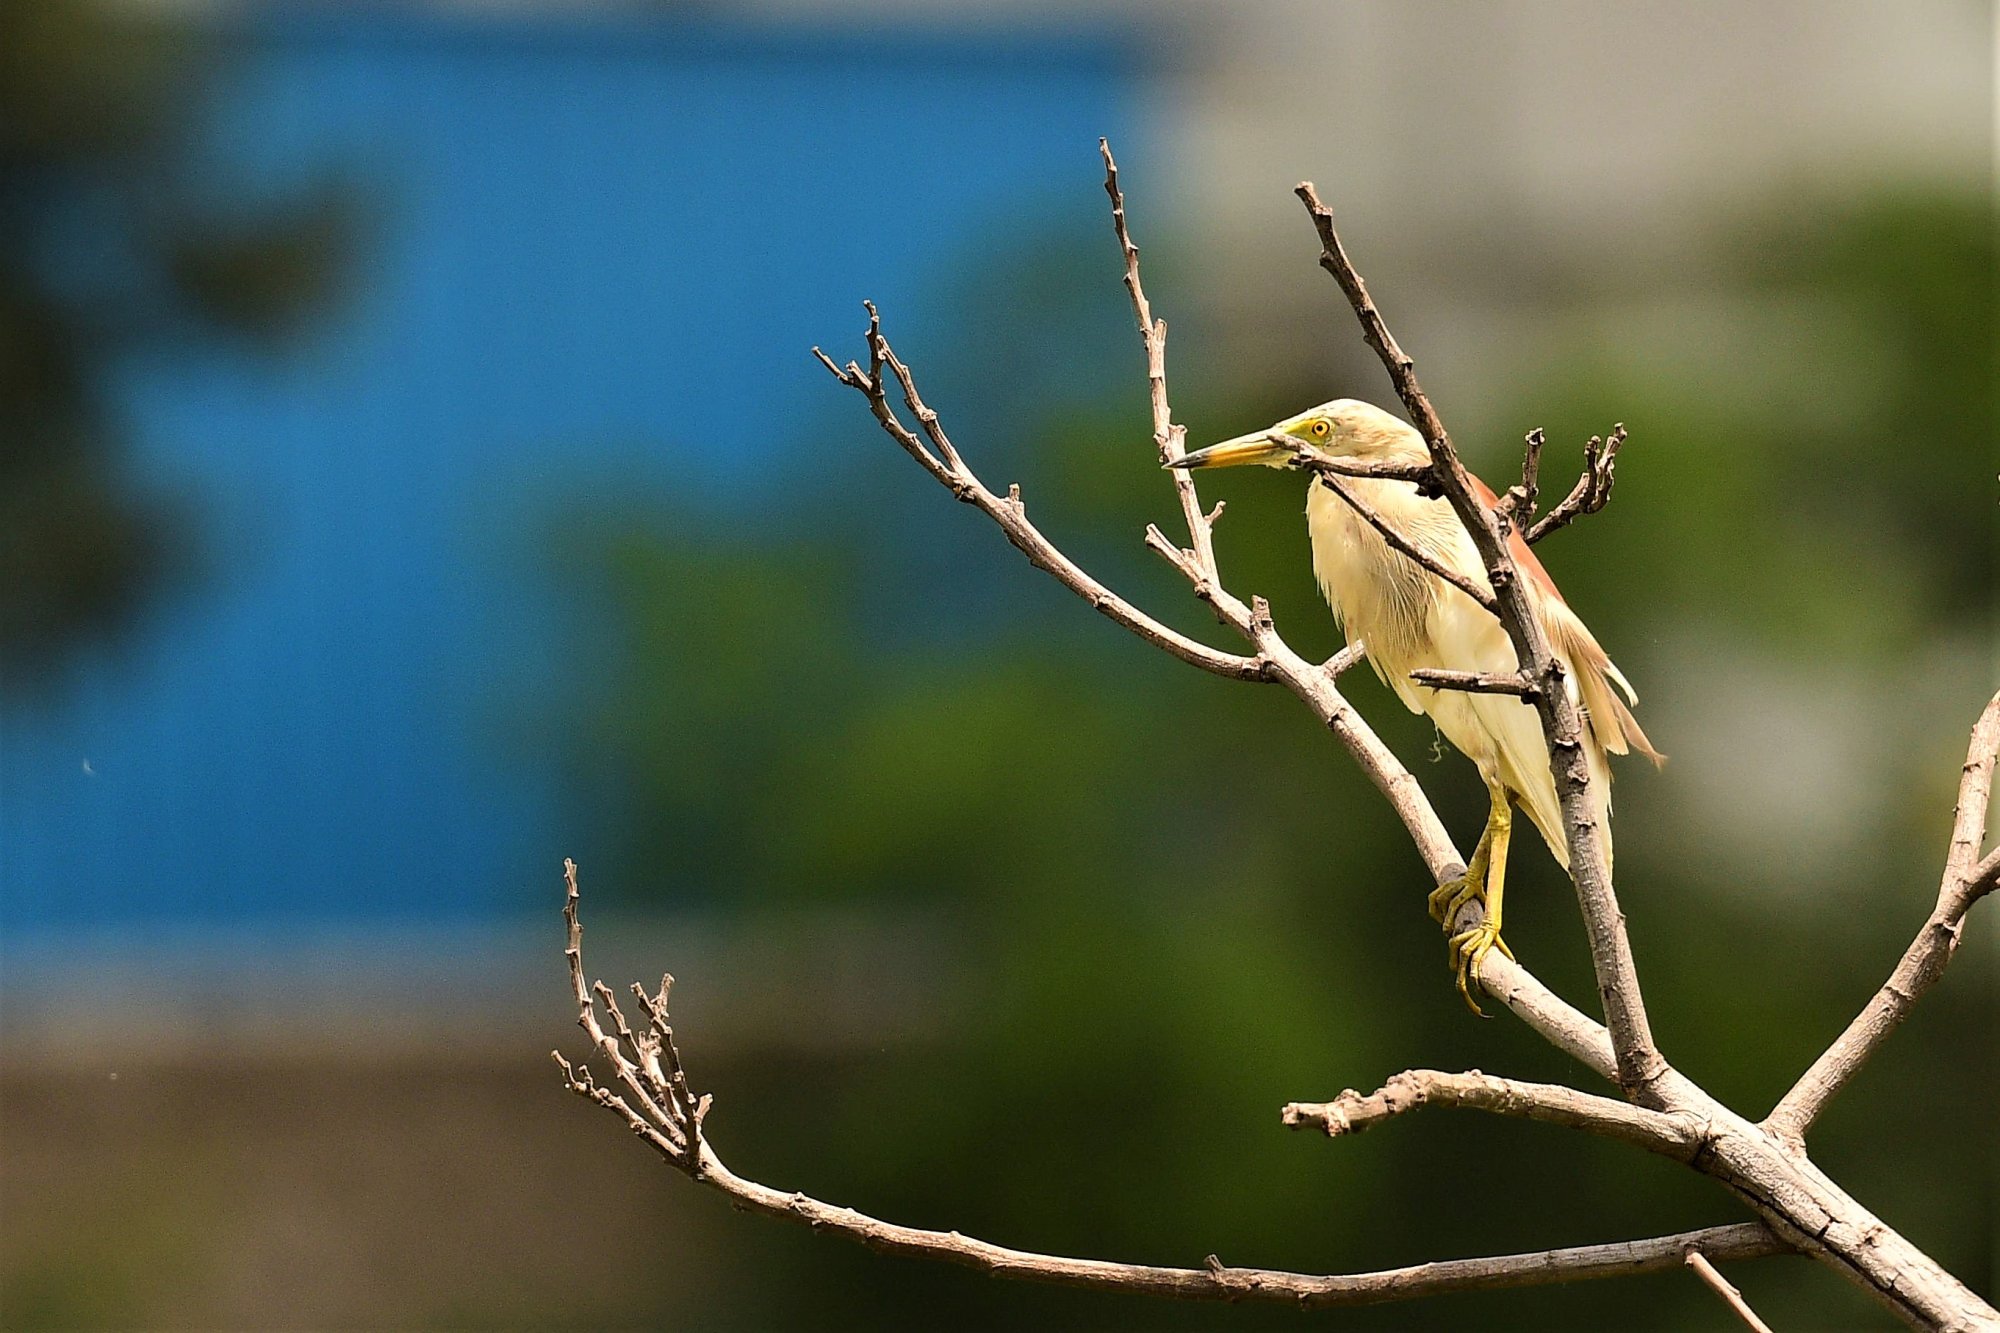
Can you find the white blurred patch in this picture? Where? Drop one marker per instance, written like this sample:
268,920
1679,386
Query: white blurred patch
1787,774
1777,773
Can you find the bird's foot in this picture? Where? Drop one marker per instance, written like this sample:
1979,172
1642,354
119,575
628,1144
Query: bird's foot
1447,898
1467,950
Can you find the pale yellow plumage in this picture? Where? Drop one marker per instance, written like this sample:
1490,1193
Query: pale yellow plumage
1410,619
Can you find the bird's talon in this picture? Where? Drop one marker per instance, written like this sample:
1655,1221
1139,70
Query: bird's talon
1465,990
1468,950
1446,899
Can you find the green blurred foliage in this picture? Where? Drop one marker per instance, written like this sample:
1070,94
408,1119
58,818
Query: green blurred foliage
113,238
1170,905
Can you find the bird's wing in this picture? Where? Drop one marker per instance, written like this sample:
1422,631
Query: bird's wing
1611,721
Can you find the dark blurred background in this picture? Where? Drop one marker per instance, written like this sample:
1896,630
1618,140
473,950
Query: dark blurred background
412,472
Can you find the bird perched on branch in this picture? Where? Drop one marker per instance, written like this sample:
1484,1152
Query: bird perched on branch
1410,619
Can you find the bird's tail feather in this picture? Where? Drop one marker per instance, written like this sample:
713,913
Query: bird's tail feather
1538,801
1611,721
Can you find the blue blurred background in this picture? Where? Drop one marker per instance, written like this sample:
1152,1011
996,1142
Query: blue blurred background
414,473
586,257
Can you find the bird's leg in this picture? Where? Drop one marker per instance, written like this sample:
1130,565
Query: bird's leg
1448,897
1468,947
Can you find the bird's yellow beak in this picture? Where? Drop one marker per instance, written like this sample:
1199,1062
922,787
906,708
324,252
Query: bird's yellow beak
1239,452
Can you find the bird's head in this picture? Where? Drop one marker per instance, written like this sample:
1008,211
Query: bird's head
1343,428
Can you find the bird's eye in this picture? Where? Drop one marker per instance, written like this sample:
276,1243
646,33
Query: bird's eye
1319,429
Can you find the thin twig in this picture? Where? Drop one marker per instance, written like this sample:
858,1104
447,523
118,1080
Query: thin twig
1592,490
1640,1064
1169,439
1372,469
1011,514
1965,882
1478,682
1219,1282
1353,1111
1336,472
1351,655
1724,1288
668,1126
1305,458
1399,542
1517,506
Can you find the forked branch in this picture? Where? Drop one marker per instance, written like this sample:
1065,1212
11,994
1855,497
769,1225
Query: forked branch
670,1121
1966,880
1009,511
1592,490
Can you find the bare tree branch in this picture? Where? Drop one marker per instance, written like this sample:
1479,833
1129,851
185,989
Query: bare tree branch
1169,439
1312,460
666,1125
1517,506
1478,682
1640,1063
1924,961
1724,1288
1388,532
1011,514
1592,490
1555,1019
1984,878
1753,1164
1350,656
671,1119
1219,1282
1351,1112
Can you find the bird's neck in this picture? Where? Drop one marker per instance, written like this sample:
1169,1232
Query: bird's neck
1403,446
1428,522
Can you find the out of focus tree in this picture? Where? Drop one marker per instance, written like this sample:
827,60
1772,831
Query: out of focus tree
113,237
